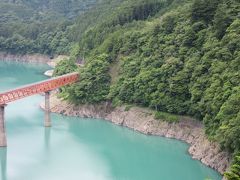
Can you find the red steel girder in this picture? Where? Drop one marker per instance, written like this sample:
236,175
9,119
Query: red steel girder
36,88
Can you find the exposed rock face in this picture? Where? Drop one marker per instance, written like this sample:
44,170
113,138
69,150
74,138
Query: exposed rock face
142,120
49,73
56,60
35,58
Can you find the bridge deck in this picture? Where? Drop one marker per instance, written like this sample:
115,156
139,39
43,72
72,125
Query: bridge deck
36,88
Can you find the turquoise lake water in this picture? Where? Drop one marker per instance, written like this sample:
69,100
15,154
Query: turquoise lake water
83,149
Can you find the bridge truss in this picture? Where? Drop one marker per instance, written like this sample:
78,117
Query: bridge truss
29,90
37,88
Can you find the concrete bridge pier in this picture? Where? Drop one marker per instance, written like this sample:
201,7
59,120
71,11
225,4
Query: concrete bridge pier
3,141
47,121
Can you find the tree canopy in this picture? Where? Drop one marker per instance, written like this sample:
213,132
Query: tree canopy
34,26
181,58
175,56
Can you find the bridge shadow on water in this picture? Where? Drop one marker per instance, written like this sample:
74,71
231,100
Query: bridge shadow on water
3,163
47,136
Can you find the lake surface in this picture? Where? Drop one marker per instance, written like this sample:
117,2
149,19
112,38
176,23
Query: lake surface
83,149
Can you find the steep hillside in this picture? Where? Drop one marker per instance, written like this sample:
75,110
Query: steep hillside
34,26
67,8
180,57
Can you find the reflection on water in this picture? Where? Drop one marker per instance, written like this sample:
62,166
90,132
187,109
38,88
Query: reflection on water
47,135
3,163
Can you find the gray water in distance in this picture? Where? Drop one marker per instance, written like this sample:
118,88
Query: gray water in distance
83,149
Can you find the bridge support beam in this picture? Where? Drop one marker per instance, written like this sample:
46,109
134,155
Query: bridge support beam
47,121
3,140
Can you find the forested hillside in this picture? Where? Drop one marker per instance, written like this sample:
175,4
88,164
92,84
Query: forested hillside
180,57
34,26
67,8
174,56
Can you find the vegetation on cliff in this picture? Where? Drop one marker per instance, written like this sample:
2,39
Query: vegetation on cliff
234,172
179,57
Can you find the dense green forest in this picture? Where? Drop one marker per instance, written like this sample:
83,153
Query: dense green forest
33,26
180,57
174,56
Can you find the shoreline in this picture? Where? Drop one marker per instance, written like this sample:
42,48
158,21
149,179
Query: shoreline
33,58
142,120
138,119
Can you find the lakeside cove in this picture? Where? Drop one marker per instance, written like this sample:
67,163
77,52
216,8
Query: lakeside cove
142,120
132,90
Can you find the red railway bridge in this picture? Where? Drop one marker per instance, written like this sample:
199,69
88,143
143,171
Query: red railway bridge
29,90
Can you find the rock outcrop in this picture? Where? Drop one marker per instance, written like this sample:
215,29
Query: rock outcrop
49,73
56,60
142,120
